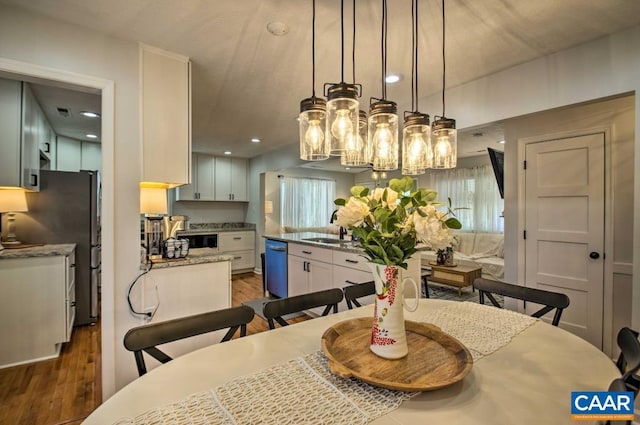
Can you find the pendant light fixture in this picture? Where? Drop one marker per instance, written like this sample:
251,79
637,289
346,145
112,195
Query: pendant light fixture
314,144
356,152
342,106
383,117
416,133
445,136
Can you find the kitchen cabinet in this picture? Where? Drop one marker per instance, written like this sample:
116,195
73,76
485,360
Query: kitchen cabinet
240,245
37,307
310,270
350,269
48,147
165,85
20,160
201,187
183,291
231,179
75,155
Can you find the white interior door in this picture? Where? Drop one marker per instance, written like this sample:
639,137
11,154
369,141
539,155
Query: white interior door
564,219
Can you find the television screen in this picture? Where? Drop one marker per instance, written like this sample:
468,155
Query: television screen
497,162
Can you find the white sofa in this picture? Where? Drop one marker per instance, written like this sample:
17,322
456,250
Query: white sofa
485,250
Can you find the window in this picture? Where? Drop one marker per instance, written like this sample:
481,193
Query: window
306,202
473,188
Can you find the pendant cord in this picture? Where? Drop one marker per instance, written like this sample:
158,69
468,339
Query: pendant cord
384,49
353,44
342,39
414,56
444,66
313,50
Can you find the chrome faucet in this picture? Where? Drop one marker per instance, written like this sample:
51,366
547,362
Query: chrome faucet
343,231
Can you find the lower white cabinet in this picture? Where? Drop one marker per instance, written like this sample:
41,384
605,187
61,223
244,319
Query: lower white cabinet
240,245
37,307
309,270
181,291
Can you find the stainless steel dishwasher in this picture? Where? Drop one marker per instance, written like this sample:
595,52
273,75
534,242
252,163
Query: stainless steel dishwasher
276,268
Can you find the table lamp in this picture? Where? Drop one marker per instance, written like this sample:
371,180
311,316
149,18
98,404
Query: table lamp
153,200
12,201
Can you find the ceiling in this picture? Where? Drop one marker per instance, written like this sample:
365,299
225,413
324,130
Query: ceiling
248,83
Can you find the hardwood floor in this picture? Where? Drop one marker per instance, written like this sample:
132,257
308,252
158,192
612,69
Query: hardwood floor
66,390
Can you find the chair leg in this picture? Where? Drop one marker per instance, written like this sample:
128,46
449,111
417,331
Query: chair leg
425,286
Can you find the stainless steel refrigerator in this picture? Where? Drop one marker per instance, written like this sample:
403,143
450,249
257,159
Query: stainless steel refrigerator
67,210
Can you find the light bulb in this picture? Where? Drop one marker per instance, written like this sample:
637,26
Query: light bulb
382,140
342,125
314,135
417,146
443,146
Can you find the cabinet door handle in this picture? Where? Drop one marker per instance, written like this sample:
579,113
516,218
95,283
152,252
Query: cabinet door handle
351,283
351,261
308,267
304,266
307,252
73,304
233,196
34,180
47,147
237,238
237,258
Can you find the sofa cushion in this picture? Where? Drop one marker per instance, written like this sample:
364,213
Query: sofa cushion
465,243
488,245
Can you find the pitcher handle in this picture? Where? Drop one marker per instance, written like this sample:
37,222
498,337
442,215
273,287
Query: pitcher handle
415,291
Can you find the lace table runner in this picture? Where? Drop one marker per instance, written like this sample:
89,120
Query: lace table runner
281,394
481,328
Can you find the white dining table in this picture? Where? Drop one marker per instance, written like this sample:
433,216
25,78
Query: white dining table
527,381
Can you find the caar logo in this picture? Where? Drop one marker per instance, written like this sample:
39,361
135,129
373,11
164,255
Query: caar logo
601,405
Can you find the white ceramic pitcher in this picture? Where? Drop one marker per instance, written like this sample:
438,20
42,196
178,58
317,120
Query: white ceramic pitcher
388,335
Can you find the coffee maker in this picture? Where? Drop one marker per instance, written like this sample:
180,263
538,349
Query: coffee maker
154,236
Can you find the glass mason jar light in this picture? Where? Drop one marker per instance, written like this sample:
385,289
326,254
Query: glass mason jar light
356,151
383,135
445,143
314,145
342,116
417,155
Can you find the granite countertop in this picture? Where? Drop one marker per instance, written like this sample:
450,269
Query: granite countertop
195,256
38,251
200,228
330,240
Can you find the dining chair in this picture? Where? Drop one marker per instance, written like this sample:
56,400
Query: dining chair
628,362
275,309
358,290
618,385
425,273
551,300
145,338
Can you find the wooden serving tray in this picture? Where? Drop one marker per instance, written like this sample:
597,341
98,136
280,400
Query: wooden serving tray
435,359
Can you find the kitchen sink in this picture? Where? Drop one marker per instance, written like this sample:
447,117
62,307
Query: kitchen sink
326,240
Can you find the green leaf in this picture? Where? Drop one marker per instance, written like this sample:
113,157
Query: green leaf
357,191
453,223
340,201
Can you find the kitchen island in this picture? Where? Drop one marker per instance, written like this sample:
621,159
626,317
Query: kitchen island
318,261
37,306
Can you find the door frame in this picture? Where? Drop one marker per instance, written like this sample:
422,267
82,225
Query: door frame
607,296
34,73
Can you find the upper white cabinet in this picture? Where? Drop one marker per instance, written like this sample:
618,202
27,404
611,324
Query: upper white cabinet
201,187
215,179
231,179
19,125
165,82
75,155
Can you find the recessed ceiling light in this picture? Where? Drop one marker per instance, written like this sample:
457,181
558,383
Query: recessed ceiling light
501,142
392,78
91,136
256,140
90,114
227,152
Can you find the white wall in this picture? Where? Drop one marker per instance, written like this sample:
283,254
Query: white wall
45,44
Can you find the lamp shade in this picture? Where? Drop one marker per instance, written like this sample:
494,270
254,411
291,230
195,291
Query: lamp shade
153,200
13,200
